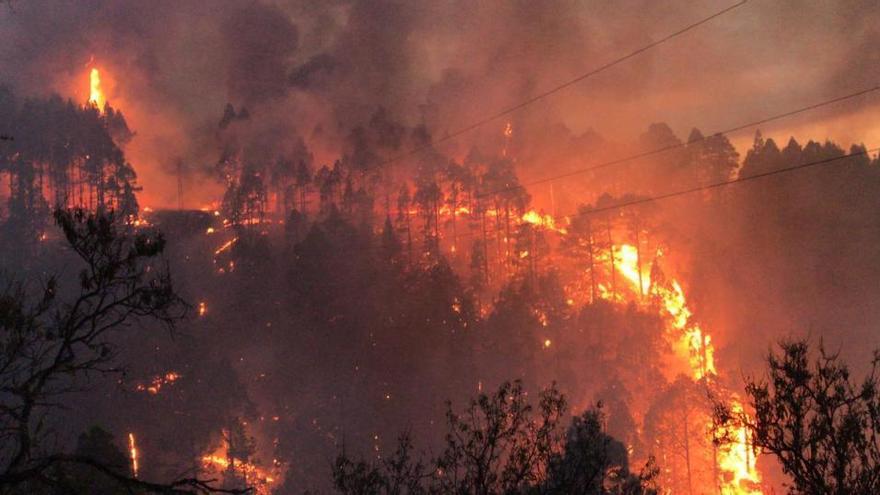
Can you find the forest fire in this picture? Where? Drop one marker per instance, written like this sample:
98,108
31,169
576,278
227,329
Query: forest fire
221,461
358,248
737,459
689,342
693,347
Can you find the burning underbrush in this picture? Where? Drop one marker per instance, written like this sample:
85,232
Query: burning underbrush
233,461
545,309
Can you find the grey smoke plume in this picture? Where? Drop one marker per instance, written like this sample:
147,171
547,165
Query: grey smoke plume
320,69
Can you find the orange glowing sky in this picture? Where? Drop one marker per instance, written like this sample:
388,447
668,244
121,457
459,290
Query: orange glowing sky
172,68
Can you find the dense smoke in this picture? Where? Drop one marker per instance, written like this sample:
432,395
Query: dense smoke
319,69
343,288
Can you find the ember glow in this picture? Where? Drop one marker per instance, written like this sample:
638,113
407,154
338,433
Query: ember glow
154,386
225,246
133,455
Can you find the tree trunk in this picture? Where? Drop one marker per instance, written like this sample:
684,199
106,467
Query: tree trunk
454,231
408,236
507,251
592,265
611,255
687,451
639,260
485,246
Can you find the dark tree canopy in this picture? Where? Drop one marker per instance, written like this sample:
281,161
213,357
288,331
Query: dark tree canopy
502,444
820,424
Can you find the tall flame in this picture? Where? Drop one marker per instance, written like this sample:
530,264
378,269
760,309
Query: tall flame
689,341
96,95
627,262
694,348
736,459
132,450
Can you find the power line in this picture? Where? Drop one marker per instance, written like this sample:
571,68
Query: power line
865,152
681,192
717,185
560,87
644,154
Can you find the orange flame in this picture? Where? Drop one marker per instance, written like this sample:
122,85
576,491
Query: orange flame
545,221
132,449
446,210
96,95
736,461
226,245
256,477
627,262
688,340
156,384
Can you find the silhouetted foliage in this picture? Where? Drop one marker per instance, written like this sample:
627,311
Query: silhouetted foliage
64,156
57,335
593,462
501,444
820,425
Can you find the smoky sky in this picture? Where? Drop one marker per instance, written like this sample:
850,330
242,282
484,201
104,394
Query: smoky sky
314,70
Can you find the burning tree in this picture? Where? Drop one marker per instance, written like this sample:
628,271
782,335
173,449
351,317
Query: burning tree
245,200
500,188
581,246
820,425
63,155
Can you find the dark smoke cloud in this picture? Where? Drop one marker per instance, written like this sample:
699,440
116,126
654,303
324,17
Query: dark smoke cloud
259,41
312,80
309,74
320,69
